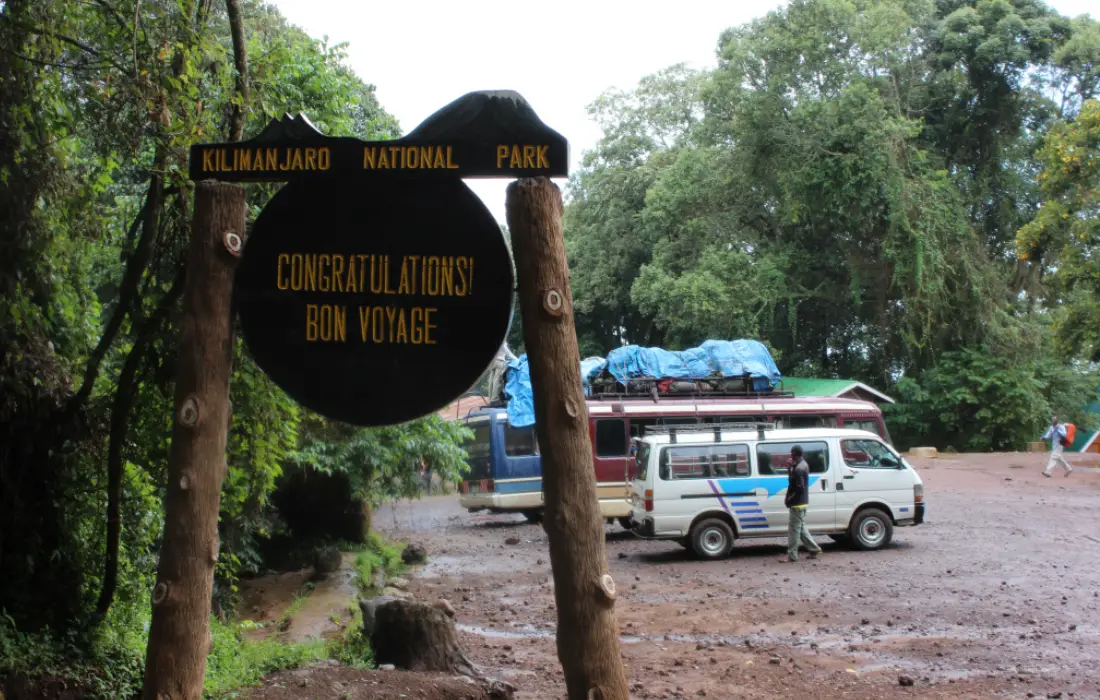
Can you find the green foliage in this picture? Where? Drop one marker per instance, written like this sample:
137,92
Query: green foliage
234,663
1065,232
976,400
379,555
382,463
846,186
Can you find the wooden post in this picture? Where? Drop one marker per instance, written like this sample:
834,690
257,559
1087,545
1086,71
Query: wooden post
179,635
587,634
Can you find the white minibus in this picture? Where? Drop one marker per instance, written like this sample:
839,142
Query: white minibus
705,486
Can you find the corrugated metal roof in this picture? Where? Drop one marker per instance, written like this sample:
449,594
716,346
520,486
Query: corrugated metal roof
809,386
457,410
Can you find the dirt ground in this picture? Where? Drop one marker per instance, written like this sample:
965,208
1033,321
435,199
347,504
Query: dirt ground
996,595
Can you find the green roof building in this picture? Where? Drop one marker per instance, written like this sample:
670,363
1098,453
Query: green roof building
838,388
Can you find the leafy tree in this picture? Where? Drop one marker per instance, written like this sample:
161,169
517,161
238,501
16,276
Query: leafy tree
1065,233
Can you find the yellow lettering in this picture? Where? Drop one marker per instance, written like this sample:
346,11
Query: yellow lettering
340,326
352,280
450,164
402,331
258,160
502,153
364,321
296,272
376,281
246,159
543,157
310,284
439,162
412,158
413,259
368,157
391,313
311,159
337,272
460,265
425,156
429,326
447,276
528,156
236,159
433,276
403,286
417,332
362,277
324,158
388,290
296,164
283,258
311,322
273,159
383,159
207,161
286,161
324,281
377,334
395,154
517,158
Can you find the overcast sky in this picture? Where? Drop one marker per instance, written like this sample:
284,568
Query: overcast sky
559,55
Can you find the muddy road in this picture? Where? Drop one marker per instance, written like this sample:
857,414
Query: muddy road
997,594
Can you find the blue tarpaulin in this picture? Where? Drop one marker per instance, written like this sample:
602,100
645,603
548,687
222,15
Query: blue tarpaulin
714,358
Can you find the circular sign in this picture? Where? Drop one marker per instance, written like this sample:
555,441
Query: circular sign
375,302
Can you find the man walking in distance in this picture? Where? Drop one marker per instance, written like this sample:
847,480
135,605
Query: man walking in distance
797,500
1055,433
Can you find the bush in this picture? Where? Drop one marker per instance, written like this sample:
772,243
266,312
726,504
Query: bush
379,555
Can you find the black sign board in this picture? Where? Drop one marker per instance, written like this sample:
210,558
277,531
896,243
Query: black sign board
375,302
482,134
376,287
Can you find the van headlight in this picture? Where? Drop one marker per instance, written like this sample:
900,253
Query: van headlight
918,493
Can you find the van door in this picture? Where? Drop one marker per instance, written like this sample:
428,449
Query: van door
872,472
773,462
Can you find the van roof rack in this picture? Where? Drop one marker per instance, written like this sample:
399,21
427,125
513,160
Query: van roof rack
715,428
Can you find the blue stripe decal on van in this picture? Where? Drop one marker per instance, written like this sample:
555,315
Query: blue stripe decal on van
754,527
904,510
517,486
718,495
749,510
754,520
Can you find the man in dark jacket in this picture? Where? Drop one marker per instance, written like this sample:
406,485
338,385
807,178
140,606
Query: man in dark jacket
797,500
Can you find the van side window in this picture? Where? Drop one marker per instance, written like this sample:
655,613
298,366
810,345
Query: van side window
730,460
867,454
611,437
519,442
775,457
803,421
704,462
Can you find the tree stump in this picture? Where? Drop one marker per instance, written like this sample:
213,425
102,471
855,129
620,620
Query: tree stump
417,637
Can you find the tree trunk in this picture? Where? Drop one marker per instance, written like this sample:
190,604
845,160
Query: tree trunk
415,636
179,632
240,60
588,641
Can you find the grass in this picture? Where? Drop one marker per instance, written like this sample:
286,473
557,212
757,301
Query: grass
378,555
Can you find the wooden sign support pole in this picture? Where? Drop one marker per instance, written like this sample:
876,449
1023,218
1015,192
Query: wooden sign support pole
179,635
587,633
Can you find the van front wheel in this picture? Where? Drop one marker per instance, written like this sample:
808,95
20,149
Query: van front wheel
871,529
712,539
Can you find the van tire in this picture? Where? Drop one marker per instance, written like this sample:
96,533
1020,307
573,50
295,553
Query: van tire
533,516
711,539
626,522
870,529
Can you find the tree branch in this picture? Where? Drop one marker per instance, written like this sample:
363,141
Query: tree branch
240,59
120,427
